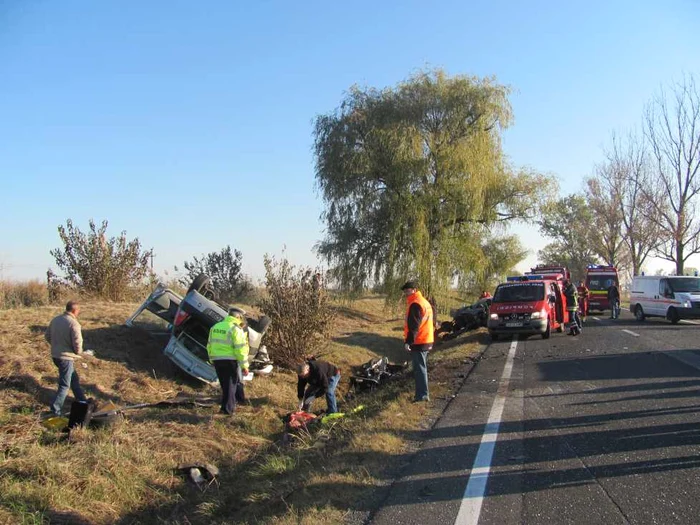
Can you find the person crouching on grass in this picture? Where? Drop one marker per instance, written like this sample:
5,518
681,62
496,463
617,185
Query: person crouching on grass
316,378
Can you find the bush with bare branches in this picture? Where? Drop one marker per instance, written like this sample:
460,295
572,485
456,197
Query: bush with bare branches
225,269
299,306
109,268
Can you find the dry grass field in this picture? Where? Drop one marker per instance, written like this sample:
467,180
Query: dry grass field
126,473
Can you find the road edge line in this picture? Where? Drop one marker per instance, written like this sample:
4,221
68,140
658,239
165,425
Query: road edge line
373,513
473,498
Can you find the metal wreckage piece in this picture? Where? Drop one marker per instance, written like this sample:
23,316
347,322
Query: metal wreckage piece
373,373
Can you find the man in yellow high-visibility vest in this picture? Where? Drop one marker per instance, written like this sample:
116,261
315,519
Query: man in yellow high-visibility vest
228,351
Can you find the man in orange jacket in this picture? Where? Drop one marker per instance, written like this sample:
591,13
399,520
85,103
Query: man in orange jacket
419,335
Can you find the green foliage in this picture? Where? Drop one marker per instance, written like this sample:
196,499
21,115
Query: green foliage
299,308
106,267
414,179
569,221
273,465
224,270
500,255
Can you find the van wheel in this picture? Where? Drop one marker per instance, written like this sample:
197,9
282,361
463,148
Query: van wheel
639,313
673,315
548,331
200,283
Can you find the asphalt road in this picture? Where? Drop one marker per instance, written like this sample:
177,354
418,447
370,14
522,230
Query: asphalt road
599,428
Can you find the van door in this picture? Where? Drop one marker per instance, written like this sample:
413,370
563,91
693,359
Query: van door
650,300
157,312
638,295
558,307
654,296
665,295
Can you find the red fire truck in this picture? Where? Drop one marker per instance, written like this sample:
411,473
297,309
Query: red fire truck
529,304
599,279
543,269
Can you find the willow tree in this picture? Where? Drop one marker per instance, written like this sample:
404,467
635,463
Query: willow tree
415,182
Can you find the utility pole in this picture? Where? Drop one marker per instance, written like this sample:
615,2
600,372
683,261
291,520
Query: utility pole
151,255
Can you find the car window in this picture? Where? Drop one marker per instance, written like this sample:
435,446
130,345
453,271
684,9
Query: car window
601,283
684,284
480,304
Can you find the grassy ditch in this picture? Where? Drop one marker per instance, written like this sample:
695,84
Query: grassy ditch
127,473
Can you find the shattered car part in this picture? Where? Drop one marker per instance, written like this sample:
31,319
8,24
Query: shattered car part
372,373
261,364
201,474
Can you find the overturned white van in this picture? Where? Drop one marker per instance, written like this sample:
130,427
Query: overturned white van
188,320
673,297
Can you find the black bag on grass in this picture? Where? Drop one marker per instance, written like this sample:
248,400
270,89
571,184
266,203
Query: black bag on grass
80,414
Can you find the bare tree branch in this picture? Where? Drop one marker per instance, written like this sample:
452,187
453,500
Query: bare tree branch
673,132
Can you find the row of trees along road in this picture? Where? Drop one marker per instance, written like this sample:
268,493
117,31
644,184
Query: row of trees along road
415,184
642,200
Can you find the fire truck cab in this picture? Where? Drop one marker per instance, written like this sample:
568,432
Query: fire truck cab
528,304
599,279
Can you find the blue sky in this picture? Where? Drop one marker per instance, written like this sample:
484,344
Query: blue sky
189,124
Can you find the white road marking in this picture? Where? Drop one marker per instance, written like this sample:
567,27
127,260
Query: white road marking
686,356
473,498
689,322
631,332
596,318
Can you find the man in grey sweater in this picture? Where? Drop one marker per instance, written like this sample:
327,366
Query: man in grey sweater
66,339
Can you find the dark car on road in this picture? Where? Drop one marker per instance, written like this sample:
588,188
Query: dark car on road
466,318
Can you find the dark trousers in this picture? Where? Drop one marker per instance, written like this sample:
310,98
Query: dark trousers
575,318
420,373
229,374
614,308
313,393
67,377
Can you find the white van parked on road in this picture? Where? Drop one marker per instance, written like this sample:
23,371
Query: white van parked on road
674,297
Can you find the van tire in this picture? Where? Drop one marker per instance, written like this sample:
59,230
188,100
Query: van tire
200,283
639,313
673,316
548,331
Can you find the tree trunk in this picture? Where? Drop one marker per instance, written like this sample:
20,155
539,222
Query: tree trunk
679,258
